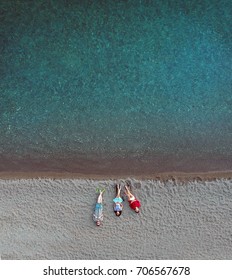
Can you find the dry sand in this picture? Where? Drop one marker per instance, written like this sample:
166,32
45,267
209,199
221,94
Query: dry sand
52,219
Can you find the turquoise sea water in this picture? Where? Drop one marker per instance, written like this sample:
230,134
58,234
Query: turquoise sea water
116,86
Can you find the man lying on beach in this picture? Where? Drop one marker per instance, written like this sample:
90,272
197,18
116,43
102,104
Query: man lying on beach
133,202
118,201
98,212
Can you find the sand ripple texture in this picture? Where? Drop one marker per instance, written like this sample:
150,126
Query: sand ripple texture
52,219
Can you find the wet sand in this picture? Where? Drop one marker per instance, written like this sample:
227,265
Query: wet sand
52,219
111,166
164,176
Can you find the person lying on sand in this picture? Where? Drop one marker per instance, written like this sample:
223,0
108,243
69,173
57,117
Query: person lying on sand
118,201
98,211
133,202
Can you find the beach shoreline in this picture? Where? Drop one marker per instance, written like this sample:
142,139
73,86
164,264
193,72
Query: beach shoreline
164,176
169,167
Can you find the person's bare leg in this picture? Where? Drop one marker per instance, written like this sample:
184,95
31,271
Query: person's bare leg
99,200
118,190
129,194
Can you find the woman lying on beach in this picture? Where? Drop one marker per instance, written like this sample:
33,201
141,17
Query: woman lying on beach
98,212
118,201
133,202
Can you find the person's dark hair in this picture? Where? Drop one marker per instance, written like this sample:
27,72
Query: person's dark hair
119,213
137,210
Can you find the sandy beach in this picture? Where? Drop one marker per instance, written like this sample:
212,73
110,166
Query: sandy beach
52,219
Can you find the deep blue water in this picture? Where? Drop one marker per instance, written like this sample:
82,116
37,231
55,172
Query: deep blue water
149,81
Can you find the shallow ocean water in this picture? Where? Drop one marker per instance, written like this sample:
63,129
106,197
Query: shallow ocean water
91,83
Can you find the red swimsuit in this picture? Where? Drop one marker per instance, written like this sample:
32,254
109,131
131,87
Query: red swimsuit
135,203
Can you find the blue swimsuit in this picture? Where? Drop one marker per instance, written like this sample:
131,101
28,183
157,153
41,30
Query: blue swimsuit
98,215
117,205
117,199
